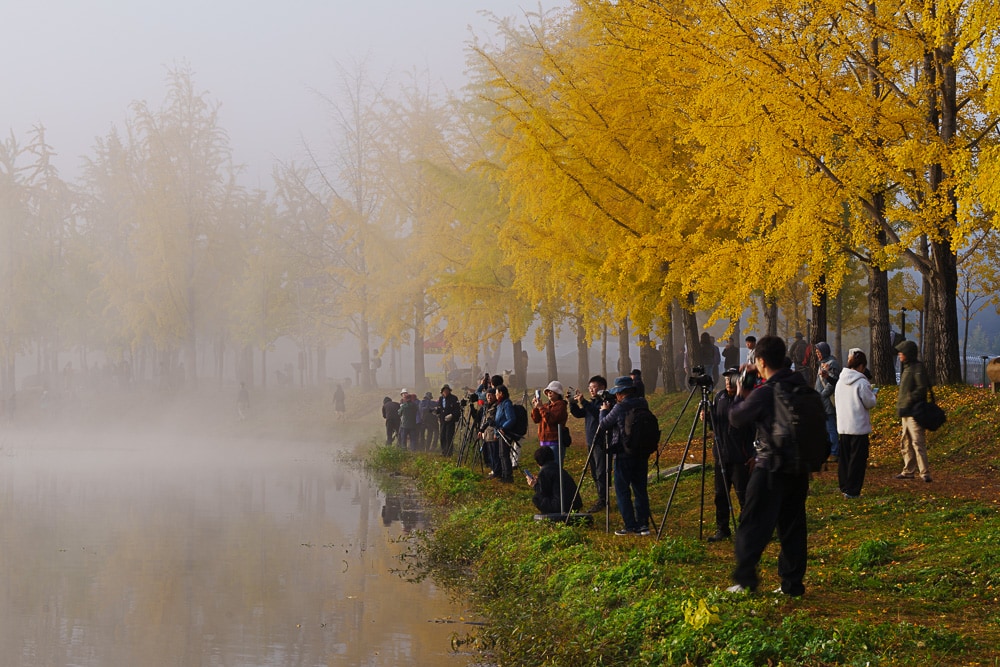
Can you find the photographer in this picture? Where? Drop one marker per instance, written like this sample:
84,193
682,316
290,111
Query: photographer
488,433
774,497
590,411
505,422
448,410
631,472
550,416
733,456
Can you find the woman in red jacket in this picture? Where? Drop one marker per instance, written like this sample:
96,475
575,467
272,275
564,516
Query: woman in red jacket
549,417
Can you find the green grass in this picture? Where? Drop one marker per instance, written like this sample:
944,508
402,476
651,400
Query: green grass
908,574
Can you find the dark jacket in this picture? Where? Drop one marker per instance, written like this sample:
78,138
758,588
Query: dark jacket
613,422
590,411
757,409
734,444
828,385
390,412
546,496
913,381
449,406
408,414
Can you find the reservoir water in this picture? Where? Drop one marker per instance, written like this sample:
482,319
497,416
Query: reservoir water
117,551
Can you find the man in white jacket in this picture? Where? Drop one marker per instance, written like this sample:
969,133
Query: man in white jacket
854,400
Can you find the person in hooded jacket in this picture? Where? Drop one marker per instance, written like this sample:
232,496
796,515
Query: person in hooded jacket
913,386
855,399
390,413
826,383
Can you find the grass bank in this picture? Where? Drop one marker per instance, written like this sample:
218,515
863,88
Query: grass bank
905,575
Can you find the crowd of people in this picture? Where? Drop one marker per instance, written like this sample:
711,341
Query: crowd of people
770,493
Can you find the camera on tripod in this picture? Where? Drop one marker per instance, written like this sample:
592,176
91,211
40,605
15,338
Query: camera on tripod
698,378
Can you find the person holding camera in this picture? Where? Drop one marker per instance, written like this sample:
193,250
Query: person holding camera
590,412
775,496
733,453
631,473
448,410
827,375
550,417
505,422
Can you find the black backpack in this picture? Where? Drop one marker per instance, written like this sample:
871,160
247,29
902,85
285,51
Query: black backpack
799,439
520,427
642,432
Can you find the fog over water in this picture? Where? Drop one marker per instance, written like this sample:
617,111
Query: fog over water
123,550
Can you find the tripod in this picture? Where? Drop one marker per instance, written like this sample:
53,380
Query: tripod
704,408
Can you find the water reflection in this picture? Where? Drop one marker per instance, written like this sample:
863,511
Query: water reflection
179,552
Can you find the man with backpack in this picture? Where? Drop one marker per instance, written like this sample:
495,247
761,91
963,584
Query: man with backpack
779,484
631,467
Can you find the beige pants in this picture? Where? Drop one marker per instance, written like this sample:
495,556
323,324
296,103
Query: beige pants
913,448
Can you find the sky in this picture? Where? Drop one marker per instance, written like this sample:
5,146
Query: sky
75,66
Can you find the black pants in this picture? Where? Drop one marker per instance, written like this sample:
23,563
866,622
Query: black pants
447,437
853,463
735,477
773,500
391,431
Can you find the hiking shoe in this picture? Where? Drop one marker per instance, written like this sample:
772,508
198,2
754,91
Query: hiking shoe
927,478
644,531
738,588
851,496
905,475
622,532
719,536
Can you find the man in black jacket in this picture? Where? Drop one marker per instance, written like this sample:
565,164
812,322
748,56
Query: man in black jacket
448,410
774,497
590,410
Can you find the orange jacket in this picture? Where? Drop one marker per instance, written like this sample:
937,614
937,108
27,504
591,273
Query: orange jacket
547,416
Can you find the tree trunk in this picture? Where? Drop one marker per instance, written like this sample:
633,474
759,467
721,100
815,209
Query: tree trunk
419,324
819,311
624,357
691,333
520,364
551,364
770,308
649,363
668,358
881,356
582,354
942,317
604,351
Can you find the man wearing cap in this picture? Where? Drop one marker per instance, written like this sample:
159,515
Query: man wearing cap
913,386
631,472
733,451
826,384
448,410
550,416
